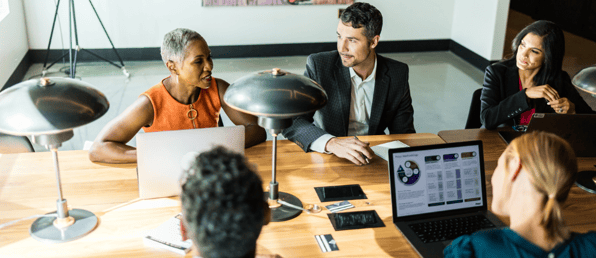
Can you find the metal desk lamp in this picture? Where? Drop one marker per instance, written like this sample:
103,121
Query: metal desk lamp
275,96
47,109
585,80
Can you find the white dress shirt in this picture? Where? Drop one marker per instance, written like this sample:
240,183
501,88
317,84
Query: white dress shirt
360,107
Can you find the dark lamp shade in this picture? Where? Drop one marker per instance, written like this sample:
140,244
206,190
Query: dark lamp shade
586,80
275,94
29,108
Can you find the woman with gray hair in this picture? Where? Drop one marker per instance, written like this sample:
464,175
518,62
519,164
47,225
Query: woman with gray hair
189,98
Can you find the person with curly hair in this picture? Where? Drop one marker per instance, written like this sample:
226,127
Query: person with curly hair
223,205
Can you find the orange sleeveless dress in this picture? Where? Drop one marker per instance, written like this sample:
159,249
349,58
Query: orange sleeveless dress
169,114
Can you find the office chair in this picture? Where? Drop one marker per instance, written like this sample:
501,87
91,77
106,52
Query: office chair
14,144
474,113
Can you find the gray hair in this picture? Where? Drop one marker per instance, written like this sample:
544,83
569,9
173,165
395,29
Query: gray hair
175,42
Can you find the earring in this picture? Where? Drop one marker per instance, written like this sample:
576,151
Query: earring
517,172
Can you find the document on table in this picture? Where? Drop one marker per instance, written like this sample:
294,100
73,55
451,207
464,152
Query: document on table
168,236
382,150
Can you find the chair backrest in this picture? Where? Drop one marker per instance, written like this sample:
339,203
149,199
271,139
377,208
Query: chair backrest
14,144
474,113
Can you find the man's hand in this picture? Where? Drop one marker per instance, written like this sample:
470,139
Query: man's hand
351,149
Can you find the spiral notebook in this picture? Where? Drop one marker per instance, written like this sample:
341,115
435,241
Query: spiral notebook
167,236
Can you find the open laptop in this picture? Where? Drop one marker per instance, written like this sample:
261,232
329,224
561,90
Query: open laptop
576,129
159,155
438,186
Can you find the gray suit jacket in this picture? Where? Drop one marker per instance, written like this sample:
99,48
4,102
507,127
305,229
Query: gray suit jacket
391,105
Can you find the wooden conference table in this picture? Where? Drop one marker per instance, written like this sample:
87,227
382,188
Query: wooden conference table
28,187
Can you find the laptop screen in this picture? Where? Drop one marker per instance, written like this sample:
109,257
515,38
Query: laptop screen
437,179
159,155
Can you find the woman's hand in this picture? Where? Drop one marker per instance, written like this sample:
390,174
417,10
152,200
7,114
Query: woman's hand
542,91
110,144
562,106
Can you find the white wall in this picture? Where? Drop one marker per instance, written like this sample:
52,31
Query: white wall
13,40
500,29
134,25
480,26
477,25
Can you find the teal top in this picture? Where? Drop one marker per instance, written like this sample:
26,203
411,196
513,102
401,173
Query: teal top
506,243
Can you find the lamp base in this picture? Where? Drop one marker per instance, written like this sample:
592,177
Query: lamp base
43,229
283,213
587,180
54,140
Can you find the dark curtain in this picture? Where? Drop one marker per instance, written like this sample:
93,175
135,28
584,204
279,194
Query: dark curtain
575,16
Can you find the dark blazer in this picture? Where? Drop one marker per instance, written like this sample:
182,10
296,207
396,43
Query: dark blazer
502,102
391,105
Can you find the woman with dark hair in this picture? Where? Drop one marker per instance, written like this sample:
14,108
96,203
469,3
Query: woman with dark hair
530,184
530,81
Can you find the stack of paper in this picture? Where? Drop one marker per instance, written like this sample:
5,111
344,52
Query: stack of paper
168,236
382,150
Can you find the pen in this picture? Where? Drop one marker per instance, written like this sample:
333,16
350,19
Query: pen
365,158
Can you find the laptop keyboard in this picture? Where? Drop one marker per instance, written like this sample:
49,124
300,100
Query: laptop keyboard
449,229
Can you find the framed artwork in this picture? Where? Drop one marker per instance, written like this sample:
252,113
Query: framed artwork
273,2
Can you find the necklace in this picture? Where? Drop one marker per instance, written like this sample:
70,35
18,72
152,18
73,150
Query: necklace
192,114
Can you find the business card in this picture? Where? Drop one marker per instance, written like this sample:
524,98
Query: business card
326,243
340,206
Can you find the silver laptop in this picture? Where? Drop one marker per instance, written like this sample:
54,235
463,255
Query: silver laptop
159,155
438,193
577,130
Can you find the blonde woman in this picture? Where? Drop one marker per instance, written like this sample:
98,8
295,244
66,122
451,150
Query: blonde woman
530,184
